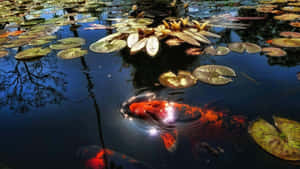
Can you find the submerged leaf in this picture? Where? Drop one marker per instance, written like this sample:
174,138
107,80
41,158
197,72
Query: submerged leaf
275,52
266,136
71,53
183,79
214,74
32,53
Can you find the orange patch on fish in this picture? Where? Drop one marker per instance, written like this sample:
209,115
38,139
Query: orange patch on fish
170,140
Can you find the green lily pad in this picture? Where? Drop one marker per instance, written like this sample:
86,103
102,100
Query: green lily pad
32,53
252,48
72,53
214,74
108,46
68,43
79,41
286,42
274,142
39,42
183,79
3,53
16,43
237,47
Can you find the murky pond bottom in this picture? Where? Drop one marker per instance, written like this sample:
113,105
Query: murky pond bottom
51,107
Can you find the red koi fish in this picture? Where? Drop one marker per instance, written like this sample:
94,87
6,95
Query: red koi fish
95,157
168,118
14,33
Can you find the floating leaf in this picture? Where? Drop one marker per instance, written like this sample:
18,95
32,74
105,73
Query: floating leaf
152,46
290,34
39,42
287,17
183,79
194,51
71,53
286,42
237,47
214,74
199,37
275,143
174,42
252,48
138,46
275,52
295,24
68,43
221,50
132,39
79,41
107,46
291,9
32,53
3,53
210,50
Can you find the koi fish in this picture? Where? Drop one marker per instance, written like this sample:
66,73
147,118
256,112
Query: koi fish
167,118
14,33
95,157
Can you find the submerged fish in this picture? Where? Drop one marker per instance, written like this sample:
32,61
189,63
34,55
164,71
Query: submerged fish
95,157
168,119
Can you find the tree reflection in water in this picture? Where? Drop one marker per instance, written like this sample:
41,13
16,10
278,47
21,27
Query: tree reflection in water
30,85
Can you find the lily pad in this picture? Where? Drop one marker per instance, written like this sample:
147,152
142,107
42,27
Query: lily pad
287,17
286,42
290,34
275,52
183,79
72,53
187,38
68,43
108,46
194,51
295,24
174,42
275,143
210,50
3,53
152,46
214,74
291,9
237,47
252,48
32,53
39,42
221,50
138,46
132,39
79,41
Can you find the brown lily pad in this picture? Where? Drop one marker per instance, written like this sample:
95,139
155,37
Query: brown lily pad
295,24
275,52
194,51
290,34
287,17
252,48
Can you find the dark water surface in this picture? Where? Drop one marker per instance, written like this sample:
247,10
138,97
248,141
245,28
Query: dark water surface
51,107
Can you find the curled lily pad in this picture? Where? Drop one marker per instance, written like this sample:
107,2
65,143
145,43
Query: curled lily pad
32,53
132,39
214,74
221,50
237,47
138,46
183,79
108,46
286,42
71,53
252,48
152,46
290,34
275,52
3,53
275,143
287,17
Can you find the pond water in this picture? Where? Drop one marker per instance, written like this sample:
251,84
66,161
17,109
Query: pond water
52,107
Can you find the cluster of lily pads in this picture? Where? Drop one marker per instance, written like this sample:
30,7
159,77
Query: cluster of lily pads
210,74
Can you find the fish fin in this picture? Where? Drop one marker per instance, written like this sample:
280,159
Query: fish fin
170,140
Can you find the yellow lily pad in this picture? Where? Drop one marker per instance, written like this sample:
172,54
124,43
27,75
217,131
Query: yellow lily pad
274,142
287,17
286,42
183,79
214,74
